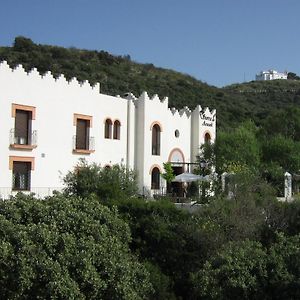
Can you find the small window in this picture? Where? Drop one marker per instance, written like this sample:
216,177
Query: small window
177,133
21,176
117,130
108,129
155,179
156,140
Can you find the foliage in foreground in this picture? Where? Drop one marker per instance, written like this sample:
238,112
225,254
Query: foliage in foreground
66,248
247,270
246,247
175,246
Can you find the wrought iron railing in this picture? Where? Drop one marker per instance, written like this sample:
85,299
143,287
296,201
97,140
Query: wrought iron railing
30,139
39,192
89,144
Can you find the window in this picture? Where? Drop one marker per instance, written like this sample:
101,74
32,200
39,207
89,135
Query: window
83,143
21,176
21,172
22,127
108,129
22,135
156,140
82,134
155,179
207,138
117,130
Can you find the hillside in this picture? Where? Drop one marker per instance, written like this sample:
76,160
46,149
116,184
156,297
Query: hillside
119,74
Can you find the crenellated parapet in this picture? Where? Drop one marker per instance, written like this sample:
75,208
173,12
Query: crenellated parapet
145,97
34,74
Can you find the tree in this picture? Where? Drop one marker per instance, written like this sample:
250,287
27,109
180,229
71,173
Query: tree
23,44
163,236
239,146
107,183
284,268
238,271
293,76
169,172
282,150
67,248
285,122
248,270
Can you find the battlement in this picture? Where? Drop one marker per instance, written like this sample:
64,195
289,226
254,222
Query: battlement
145,97
205,112
61,79
34,74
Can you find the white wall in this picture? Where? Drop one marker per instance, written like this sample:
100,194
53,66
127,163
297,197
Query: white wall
57,100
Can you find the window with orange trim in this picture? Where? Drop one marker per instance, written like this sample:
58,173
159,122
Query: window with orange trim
21,176
22,136
117,130
82,141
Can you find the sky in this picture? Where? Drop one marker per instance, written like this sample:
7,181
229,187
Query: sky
219,42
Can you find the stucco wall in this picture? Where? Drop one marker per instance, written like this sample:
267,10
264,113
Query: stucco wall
57,100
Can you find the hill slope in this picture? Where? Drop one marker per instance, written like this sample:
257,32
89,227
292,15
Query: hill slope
118,75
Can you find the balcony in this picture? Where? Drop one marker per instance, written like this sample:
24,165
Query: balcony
83,147
28,142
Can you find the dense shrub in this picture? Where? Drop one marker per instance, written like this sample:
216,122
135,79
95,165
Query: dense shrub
107,183
66,248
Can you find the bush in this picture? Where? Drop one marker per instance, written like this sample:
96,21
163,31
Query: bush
107,183
67,248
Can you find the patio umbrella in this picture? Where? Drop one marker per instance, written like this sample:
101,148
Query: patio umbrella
187,177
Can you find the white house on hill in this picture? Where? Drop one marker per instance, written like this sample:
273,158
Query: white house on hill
48,124
270,75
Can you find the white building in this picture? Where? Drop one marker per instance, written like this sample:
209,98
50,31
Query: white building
270,75
48,124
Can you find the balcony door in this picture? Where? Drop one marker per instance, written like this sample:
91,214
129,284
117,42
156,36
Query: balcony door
82,134
23,127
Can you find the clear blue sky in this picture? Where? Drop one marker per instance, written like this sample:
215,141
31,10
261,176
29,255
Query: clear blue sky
217,41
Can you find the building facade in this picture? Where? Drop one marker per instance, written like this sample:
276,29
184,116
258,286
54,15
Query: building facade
48,124
270,75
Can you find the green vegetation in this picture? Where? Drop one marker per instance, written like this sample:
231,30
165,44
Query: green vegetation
88,246
97,240
268,151
119,75
66,248
107,183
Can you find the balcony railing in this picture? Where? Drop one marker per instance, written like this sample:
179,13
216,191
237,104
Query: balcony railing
39,192
25,142
85,148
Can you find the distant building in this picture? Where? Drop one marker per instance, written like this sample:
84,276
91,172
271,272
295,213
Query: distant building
270,75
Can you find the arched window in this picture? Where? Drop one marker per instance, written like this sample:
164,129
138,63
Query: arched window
155,179
156,140
207,138
108,129
117,130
